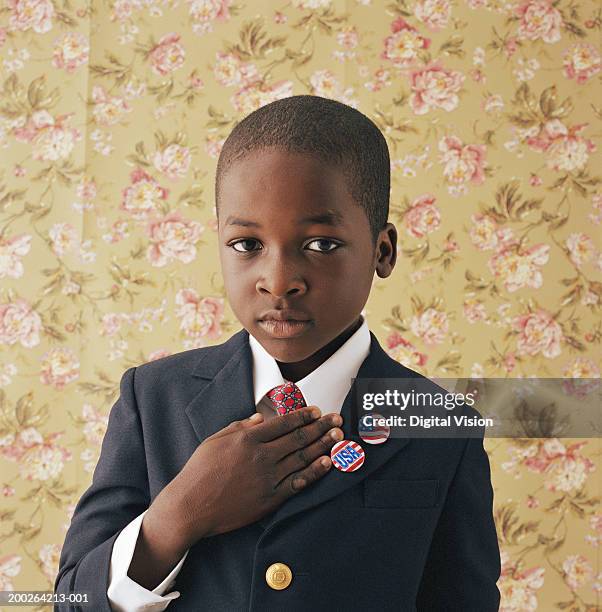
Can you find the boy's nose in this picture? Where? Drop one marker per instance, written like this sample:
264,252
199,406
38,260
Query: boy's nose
281,281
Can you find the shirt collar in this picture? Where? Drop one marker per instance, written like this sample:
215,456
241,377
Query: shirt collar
325,387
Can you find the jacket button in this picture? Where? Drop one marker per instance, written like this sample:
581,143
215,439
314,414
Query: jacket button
278,576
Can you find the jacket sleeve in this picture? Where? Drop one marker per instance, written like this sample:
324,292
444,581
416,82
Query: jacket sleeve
463,565
119,492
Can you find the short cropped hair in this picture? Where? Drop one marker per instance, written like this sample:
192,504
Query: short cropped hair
334,132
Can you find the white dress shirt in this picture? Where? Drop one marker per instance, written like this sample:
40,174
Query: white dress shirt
325,387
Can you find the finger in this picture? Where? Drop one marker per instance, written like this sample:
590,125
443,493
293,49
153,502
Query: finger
251,421
297,481
304,436
274,428
302,457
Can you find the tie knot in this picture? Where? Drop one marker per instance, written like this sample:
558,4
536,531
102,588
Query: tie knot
286,397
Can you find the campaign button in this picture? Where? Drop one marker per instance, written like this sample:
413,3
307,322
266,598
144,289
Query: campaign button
370,431
347,456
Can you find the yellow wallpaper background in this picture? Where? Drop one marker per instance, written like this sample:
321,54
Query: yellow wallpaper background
112,115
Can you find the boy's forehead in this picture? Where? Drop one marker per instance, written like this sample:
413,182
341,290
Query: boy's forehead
295,180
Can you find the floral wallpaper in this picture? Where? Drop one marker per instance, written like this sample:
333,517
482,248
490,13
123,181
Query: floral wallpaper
112,115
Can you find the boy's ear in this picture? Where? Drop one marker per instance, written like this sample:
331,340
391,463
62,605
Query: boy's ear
386,250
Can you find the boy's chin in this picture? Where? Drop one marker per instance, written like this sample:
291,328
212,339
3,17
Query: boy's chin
288,350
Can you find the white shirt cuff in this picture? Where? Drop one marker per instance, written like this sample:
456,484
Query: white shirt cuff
125,594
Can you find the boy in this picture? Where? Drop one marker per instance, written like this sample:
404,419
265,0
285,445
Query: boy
215,470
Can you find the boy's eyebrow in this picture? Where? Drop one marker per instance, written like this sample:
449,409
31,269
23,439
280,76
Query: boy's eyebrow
330,217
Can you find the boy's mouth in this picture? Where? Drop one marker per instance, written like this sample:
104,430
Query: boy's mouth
285,323
287,314
285,329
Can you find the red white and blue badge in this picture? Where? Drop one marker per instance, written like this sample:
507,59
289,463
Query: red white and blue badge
347,456
372,430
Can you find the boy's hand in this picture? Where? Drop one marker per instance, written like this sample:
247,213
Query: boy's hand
246,470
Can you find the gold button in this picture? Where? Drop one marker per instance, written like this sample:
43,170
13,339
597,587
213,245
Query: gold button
278,576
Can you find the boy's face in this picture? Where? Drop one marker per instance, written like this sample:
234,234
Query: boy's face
279,261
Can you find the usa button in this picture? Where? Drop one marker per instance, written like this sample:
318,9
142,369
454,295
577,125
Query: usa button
372,428
347,456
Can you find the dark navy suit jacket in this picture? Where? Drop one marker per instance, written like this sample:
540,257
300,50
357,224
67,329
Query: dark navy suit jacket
412,529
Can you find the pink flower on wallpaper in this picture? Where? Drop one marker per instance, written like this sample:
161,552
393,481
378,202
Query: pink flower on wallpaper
431,326
539,333
532,502
569,152
596,215
49,555
143,196
486,235
167,55
492,103
199,317
52,140
538,19
462,163
70,51
11,252
474,311
107,109
19,323
435,87
581,62
172,238
310,4
577,571
230,71
403,46
381,79
30,14
510,46
110,323
159,354
347,37
519,269
121,10
253,97
403,351
95,424
60,366
582,388
434,14
39,458
204,12
86,189
581,367
595,523
213,145
173,161
476,4
423,217
564,467
581,248
564,148
326,84
10,567
518,588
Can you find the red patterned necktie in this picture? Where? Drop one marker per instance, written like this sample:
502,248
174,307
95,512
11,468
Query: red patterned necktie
286,397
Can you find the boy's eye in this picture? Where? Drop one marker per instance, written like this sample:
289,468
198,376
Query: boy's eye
234,244
322,240
331,242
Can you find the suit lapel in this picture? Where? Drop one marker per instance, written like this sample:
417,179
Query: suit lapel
229,396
